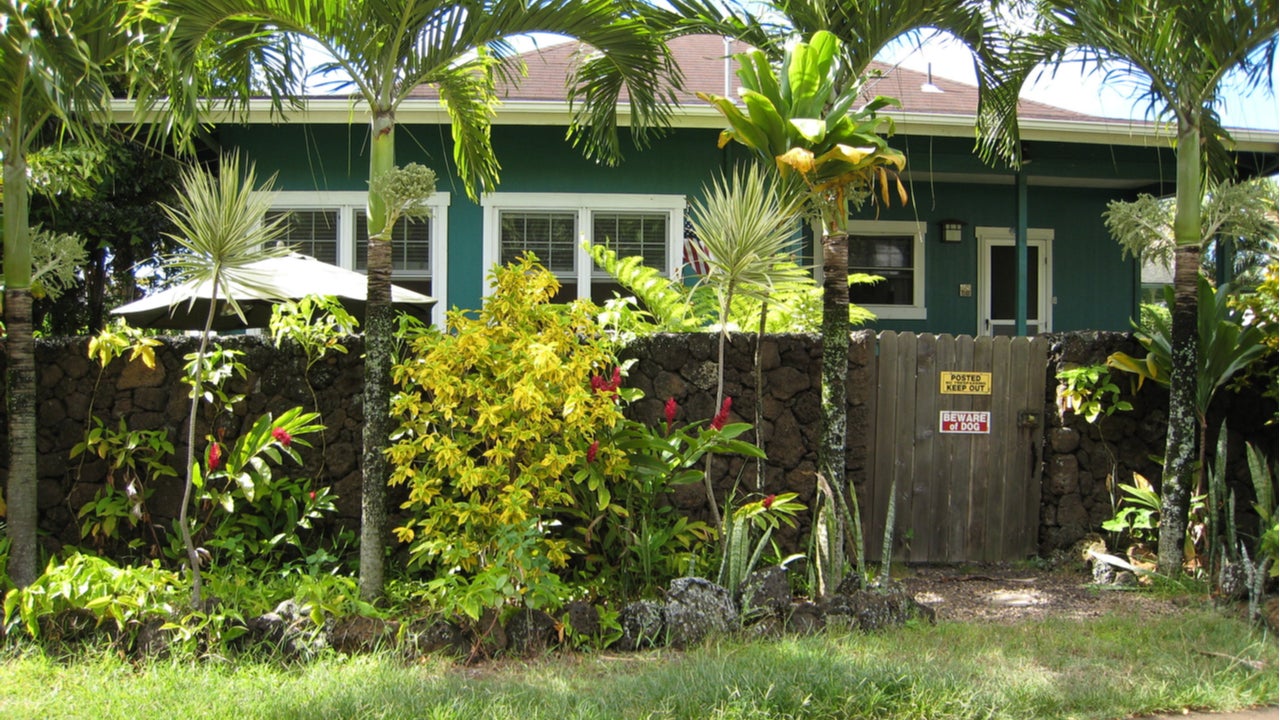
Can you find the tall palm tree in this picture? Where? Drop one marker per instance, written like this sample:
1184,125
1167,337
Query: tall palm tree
1179,52
57,62
799,119
384,49
863,28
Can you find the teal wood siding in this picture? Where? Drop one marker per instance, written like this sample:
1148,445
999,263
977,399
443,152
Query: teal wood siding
1094,286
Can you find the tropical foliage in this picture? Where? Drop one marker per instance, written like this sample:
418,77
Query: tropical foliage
1178,53
384,51
1238,227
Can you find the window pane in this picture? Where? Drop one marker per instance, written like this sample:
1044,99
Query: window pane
410,245
628,234
889,256
311,232
551,236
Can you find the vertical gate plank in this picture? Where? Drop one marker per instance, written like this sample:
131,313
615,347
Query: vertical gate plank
925,488
946,487
904,439
979,458
1038,385
1017,455
996,455
885,453
867,489
962,448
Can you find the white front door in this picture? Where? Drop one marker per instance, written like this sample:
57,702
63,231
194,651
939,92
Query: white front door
998,281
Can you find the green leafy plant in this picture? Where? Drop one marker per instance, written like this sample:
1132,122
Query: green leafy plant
1228,346
639,539
248,515
123,595
1089,392
1138,514
135,459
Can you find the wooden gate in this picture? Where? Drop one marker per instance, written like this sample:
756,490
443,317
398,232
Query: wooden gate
967,463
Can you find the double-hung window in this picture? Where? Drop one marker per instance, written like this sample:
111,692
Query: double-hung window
554,226
330,226
895,252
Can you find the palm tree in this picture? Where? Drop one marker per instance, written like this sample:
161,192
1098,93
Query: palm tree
800,121
57,61
1179,52
387,48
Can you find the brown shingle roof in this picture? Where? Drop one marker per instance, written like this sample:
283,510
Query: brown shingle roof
702,58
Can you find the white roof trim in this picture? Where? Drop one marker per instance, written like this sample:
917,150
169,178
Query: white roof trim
344,111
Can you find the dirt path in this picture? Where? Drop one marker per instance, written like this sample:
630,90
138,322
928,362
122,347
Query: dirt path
999,593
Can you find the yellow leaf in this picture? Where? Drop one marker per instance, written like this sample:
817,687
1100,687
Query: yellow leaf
798,159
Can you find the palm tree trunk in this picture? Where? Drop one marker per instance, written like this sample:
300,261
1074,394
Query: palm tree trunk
20,377
378,328
1180,440
835,363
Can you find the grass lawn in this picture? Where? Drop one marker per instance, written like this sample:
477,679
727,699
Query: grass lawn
1110,667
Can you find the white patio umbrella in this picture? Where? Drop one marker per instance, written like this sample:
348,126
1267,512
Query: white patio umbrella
267,282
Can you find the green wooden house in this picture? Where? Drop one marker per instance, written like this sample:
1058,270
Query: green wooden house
950,258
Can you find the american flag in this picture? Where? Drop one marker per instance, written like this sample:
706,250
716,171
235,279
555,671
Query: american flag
695,253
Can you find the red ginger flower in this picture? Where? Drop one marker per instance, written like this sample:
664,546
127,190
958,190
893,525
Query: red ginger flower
670,410
215,456
599,384
592,451
722,417
282,436
767,502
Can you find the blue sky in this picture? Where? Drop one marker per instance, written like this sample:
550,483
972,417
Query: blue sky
1084,92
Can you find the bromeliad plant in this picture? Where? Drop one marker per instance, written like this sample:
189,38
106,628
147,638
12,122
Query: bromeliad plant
742,549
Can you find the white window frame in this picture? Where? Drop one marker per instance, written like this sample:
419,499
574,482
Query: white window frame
349,203
584,204
1043,238
916,310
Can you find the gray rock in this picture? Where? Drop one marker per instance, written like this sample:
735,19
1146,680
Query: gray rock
583,618
869,610
1124,578
644,625
764,593
427,637
697,608
805,618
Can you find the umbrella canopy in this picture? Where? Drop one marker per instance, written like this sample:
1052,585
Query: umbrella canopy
266,282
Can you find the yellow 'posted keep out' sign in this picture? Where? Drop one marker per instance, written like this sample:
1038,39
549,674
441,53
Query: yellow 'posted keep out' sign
965,383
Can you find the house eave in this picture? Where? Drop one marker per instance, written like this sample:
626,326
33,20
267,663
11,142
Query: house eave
429,111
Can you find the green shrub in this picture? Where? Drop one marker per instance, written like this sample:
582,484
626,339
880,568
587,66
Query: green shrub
495,418
123,595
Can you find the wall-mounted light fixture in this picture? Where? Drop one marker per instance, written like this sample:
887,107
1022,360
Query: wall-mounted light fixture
952,230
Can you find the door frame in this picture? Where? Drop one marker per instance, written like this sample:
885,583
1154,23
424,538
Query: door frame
989,237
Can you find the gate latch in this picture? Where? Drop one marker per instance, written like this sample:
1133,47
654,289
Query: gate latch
1028,419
